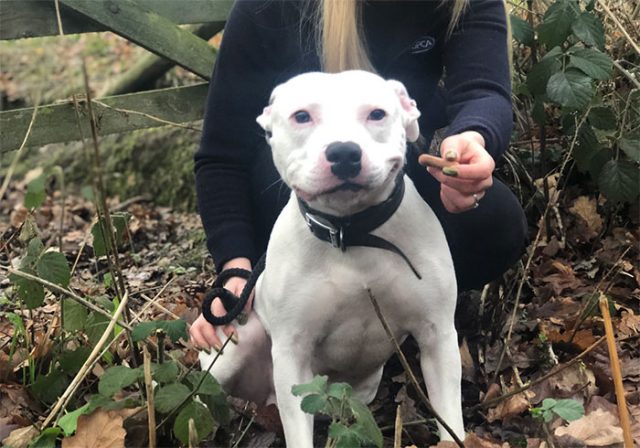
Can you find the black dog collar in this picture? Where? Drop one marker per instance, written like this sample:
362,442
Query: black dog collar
354,230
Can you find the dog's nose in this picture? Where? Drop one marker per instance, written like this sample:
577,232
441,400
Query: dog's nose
345,159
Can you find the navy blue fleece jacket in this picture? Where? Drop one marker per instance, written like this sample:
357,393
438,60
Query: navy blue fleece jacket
267,42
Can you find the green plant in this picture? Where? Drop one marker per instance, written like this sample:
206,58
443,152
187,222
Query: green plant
567,82
566,409
352,424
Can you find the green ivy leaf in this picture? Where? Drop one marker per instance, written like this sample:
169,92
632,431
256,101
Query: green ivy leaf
318,385
119,224
366,424
340,390
571,89
169,397
46,439
35,248
587,146
175,329
53,267
556,24
201,417
36,194
344,436
116,378
74,315
29,291
218,407
209,384
631,147
166,372
593,63
95,326
569,409
521,30
49,387
588,28
314,403
602,118
619,180
69,421
540,73
71,361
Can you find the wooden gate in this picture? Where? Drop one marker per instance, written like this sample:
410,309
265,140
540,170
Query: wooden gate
152,24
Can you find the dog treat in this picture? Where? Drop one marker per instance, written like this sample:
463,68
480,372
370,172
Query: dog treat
436,162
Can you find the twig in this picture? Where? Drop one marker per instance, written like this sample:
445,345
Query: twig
493,401
244,432
620,26
616,373
422,421
82,373
150,117
629,76
68,293
58,17
397,435
151,409
16,158
409,372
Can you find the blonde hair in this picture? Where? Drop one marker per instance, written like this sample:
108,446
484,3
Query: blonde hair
340,40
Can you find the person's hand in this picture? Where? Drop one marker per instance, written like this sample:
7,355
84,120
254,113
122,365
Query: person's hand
463,185
203,334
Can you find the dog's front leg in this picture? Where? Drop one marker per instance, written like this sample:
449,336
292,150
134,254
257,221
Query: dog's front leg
440,362
290,367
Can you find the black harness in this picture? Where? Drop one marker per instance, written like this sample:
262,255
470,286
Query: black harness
341,232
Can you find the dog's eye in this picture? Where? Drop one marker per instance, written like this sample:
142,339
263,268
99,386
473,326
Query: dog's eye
302,116
376,115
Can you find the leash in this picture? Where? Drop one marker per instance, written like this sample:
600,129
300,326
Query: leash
232,303
340,232
355,230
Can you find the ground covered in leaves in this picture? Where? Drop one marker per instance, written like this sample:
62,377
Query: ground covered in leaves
536,368
513,333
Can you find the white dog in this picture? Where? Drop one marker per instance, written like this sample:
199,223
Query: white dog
354,223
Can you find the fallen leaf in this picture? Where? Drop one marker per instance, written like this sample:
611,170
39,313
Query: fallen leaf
100,429
510,407
599,428
20,438
474,441
585,208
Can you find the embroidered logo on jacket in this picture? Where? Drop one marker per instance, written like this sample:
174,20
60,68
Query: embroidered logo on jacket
423,44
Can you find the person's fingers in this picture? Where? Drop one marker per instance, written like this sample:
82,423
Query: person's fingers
464,186
204,335
456,202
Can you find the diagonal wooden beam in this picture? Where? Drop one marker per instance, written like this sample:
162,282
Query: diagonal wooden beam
57,123
35,18
151,31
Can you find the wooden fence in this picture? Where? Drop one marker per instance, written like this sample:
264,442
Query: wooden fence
152,24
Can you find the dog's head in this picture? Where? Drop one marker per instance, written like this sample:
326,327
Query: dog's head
339,140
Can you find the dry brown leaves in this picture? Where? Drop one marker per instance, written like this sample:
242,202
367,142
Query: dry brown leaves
100,429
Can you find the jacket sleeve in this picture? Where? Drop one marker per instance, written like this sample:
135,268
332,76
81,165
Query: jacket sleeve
239,89
477,75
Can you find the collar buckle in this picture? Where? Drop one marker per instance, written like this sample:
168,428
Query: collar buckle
319,225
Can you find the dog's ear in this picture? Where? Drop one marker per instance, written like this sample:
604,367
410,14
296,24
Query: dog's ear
264,119
410,112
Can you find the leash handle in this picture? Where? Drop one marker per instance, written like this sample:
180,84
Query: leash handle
232,303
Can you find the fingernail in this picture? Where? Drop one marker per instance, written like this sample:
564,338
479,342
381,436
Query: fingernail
234,338
206,350
449,171
451,155
217,348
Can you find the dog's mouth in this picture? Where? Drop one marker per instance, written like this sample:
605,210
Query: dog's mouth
346,186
